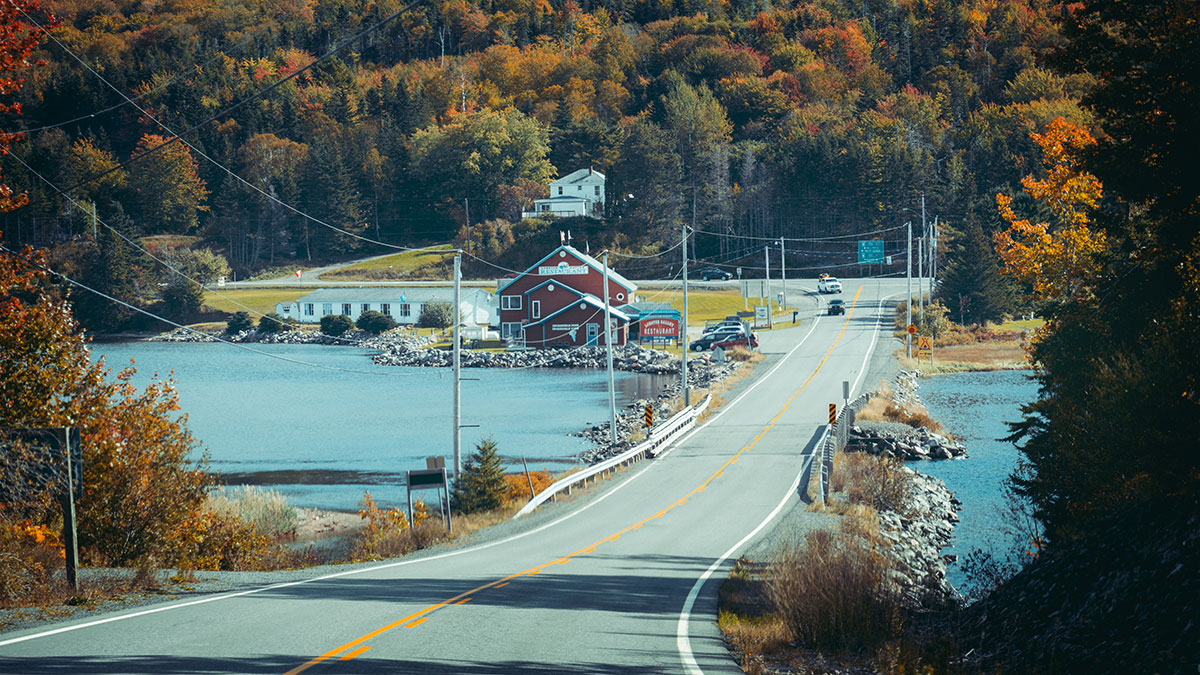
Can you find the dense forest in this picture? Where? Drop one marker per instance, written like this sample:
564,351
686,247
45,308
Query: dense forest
808,120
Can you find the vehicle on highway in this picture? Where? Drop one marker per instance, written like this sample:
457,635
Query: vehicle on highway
837,307
829,285
714,274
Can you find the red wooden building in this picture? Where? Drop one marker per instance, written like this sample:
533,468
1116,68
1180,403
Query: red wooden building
559,302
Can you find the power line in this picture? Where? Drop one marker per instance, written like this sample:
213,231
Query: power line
255,96
798,239
230,172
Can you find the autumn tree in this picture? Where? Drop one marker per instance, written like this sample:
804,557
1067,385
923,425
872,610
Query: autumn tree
18,37
170,192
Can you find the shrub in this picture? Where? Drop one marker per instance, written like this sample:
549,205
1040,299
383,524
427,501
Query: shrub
436,315
833,593
182,298
336,324
883,483
516,485
239,322
273,323
266,511
481,486
375,322
30,554
389,534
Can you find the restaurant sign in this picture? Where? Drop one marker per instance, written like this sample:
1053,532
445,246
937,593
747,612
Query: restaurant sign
660,327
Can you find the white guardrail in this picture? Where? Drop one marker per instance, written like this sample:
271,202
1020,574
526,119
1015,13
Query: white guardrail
682,421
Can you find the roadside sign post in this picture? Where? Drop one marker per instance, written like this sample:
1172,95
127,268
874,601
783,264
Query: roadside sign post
430,479
46,459
648,416
925,348
846,392
832,413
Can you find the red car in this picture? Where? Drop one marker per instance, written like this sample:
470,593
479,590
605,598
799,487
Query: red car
739,341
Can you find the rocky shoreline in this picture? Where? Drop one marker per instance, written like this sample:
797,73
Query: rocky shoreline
915,538
901,440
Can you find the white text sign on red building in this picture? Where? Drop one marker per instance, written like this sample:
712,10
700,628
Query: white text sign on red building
660,327
562,268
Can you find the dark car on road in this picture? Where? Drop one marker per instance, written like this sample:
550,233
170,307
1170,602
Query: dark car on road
837,307
714,274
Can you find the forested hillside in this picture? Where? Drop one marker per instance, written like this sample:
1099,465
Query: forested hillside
810,119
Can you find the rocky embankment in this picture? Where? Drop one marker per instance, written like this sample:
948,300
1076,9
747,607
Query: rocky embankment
630,357
915,537
396,340
900,440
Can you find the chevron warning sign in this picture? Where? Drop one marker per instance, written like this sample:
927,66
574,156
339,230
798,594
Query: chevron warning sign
648,415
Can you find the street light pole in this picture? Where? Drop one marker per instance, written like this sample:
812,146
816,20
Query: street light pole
783,272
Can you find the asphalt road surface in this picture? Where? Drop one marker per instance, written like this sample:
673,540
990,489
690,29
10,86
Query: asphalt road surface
624,582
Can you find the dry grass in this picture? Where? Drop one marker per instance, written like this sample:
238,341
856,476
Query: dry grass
259,300
745,619
879,482
831,593
743,355
882,408
430,263
266,511
979,356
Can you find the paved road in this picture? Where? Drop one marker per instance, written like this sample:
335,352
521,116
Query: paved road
623,583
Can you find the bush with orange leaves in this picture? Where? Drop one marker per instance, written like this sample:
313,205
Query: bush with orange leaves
388,533
516,485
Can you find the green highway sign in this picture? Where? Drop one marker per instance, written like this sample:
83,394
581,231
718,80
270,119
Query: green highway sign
870,252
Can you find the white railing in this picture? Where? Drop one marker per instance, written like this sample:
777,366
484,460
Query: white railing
682,421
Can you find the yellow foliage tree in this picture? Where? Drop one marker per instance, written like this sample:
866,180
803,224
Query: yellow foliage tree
1056,259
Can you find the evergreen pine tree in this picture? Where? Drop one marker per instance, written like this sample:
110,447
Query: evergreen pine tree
973,288
481,486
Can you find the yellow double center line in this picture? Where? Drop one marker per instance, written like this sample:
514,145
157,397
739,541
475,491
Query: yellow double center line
354,647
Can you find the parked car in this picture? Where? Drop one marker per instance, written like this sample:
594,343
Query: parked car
829,285
714,274
837,307
750,341
726,325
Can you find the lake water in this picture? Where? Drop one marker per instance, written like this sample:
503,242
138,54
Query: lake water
323,436
975,407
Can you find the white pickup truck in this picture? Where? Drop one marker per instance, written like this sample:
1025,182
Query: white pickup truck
829,285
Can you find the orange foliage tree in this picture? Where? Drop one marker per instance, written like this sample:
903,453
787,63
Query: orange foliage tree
18,37
1058,259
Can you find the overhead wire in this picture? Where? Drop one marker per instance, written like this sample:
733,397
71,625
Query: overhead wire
256,95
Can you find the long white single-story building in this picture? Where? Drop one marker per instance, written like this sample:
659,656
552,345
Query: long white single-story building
404,304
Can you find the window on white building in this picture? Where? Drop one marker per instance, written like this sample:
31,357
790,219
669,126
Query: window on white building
326,308
308,309
346,308
386,309
405,309
597,190
560,189
366,307
510,302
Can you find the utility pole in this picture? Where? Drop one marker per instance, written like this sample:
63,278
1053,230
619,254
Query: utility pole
921,275
920,258
467,219
95,234
933,255
612,394
767,279
783,272
908,291
457,372
683,353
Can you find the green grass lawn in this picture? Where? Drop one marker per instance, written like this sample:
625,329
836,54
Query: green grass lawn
702,305
409,264
258,300
1023,324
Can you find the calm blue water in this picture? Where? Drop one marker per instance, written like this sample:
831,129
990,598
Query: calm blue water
974,407
322,436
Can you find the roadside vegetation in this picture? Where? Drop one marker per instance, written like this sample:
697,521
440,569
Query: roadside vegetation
427,264
1000,345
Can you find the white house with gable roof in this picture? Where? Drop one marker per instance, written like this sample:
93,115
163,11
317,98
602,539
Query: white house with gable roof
579,193
404,304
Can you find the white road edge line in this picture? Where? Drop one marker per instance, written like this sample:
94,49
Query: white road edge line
683,642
